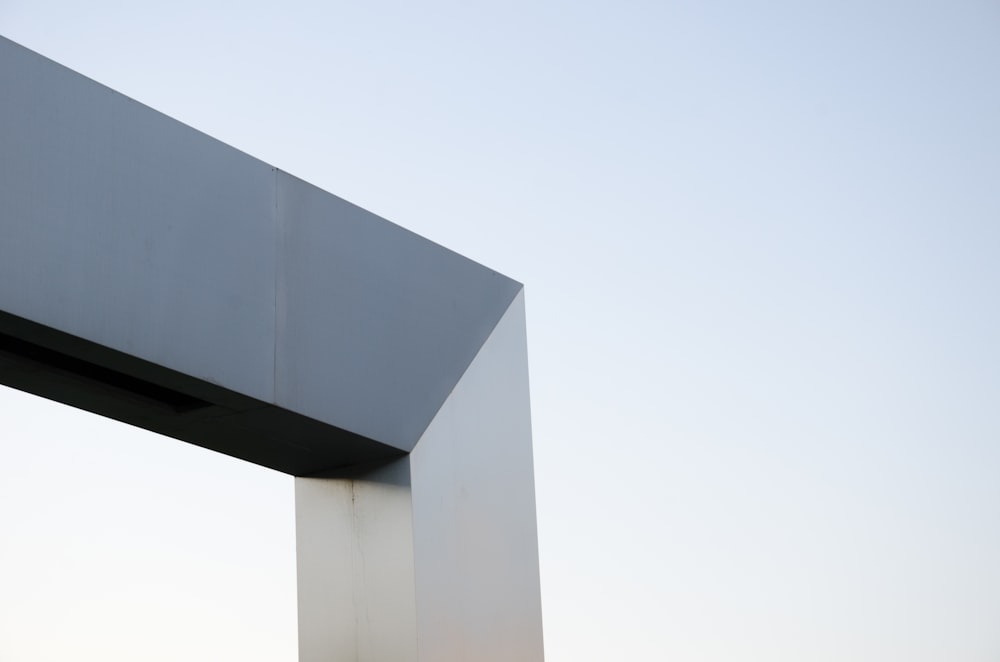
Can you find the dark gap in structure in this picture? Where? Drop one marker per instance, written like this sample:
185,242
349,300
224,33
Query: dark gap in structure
55,360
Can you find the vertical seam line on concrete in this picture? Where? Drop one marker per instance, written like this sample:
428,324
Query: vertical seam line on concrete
356,558
277,280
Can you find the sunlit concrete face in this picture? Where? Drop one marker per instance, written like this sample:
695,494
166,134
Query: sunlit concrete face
154,275
432,556
475,544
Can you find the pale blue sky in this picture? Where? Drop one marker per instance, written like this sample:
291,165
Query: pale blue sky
760,243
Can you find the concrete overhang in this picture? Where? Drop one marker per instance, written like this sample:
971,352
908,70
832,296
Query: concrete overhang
152,274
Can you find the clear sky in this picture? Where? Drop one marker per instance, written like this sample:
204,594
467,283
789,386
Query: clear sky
761,246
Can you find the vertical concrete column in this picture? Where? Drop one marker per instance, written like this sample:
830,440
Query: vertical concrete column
433,557
354,541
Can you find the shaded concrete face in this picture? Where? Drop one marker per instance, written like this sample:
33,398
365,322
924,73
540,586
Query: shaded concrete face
263,302
375,324
126,228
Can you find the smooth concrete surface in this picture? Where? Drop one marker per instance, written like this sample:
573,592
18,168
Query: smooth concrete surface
432,557
126,228
475,535
138,243
375,324
354,548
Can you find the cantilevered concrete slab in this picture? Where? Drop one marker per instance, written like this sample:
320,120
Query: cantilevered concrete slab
154,275
263,302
